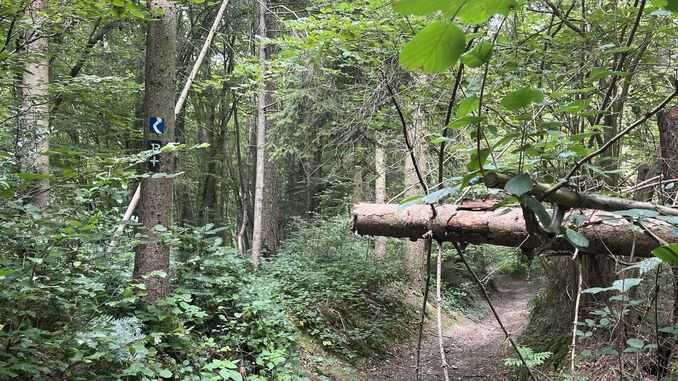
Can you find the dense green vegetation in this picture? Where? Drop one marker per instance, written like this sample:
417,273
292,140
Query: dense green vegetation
240,263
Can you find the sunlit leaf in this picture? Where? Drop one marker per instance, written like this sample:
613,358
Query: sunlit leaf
479,55
521,98
466,106
435,48
667,253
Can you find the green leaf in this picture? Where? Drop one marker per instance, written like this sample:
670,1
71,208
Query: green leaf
576,239
466,106
519,185
435,48
466,121
623,285
635,343
671,5
477,160
538,209
420,7
600,73
479,55
409,201
521,98
575,107
667,253
479,11
646,265
438,195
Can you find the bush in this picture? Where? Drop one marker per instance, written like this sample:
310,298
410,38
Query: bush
336,292
69,311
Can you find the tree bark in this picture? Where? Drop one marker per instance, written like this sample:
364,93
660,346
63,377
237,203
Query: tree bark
668,140
503,227
265,233
379,195
415,257
33,144
357,184
155,207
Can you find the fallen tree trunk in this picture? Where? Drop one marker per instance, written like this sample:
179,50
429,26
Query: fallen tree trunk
572,199
607,232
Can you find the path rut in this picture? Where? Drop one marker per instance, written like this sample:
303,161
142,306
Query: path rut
475,349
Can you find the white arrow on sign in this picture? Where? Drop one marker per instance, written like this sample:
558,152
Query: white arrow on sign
156,126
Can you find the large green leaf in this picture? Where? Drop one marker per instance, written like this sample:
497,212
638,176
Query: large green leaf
421,7
469,11
476,159
435,48
521,98
479,55
466,106
479,11
667,253
466,121
576,239
538,209
519,185
671,5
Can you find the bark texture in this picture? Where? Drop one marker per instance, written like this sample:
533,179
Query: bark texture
668,138
415,257
33,142
265,233
379,196
503,227
155,206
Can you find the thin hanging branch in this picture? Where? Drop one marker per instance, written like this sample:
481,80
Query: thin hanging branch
434,214
439,310
486,296
575,322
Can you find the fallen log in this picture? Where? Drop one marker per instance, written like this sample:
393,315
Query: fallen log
607,232
573,200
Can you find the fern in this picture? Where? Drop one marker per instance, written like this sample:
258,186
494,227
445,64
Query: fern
531,358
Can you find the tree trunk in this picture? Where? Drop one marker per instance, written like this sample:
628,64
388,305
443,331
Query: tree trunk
379,195
503,227
414,250
358,190
265,232
668,140
155,206
34,135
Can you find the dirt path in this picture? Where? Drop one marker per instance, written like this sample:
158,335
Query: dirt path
475,350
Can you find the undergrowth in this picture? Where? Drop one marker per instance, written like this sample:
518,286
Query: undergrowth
337,293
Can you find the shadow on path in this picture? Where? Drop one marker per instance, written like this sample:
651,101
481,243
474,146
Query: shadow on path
475,349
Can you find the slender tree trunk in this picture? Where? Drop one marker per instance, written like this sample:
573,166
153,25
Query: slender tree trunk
155,206
379,195
415,255
265,232
358,194
668,138
34,135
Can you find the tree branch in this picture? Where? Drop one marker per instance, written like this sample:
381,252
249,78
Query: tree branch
613,140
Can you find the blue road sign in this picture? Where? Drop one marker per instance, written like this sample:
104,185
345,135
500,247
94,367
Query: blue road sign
156,125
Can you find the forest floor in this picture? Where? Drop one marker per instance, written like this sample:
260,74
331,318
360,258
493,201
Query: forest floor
475,349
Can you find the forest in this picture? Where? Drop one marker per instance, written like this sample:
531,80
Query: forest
350,190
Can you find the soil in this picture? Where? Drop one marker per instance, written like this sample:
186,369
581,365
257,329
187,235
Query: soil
475,349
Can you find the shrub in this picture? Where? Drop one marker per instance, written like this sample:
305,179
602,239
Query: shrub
337,293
